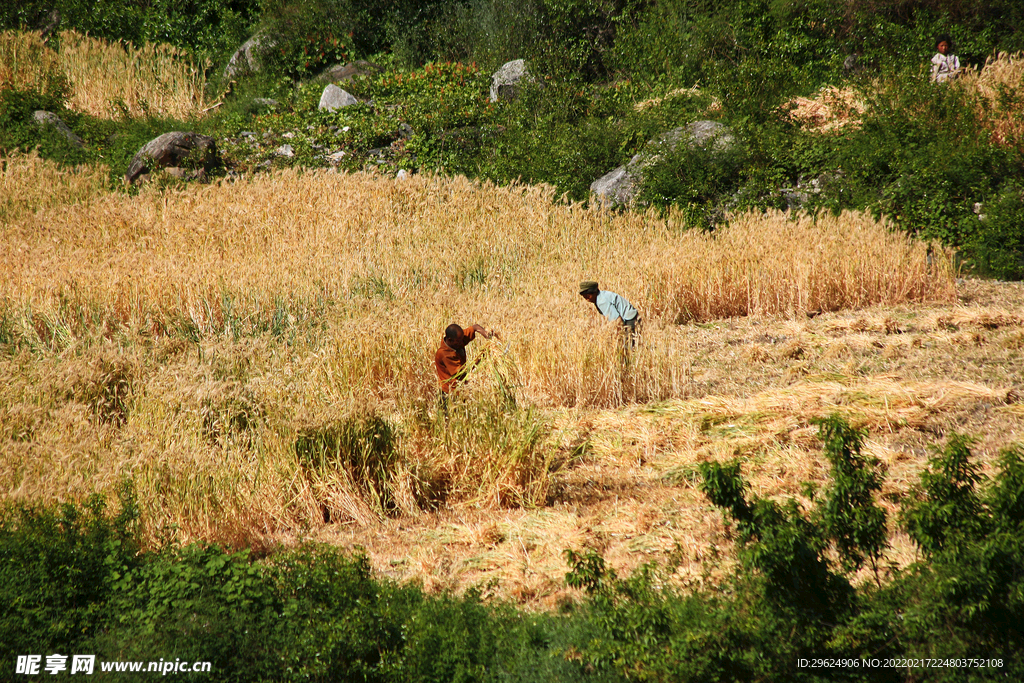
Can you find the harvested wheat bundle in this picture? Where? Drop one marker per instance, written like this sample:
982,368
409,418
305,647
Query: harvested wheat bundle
832,109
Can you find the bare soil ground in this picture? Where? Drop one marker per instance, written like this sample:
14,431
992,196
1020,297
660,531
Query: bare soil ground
910,375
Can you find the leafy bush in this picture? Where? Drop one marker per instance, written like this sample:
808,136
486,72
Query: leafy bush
922,157
305,38
435,98
997,247
967,596
199,603
486,32
547,136
58,569
700,179
19,129
848,513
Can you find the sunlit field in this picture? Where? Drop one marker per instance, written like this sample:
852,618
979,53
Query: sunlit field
256,356
103,78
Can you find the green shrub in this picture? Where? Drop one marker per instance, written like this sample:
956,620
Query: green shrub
435,98
950,508
848,514
198,603
19,130
547,136
922,158
967,596
486,32
58,568
997,246
307,37
699,179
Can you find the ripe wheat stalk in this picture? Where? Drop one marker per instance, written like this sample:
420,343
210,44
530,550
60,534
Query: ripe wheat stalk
189,337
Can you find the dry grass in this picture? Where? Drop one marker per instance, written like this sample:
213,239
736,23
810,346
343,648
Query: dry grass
831,109
105,79
652,102
192,338
110,80
26,63
229,258
1000,82
635,497
23,175
783,264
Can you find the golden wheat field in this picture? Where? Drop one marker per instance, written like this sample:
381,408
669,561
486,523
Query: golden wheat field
256,355
103,78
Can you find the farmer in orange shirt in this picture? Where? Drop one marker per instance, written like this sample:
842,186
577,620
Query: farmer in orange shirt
450,359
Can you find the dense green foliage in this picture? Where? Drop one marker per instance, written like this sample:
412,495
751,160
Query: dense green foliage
72,580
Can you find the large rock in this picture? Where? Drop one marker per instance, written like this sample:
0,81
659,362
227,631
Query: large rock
187,151
339,73
48,118
505,81
701,134
620,186
617,187
334,97
247,58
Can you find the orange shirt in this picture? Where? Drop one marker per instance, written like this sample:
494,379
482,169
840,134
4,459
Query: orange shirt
449,362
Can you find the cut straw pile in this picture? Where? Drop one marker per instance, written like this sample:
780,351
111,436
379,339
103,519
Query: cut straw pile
831,109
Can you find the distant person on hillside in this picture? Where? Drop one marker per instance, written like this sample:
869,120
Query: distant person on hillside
945,64
613,307
450,359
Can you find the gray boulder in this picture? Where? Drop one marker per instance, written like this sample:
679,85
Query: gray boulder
247,58
48,118
334,97
804,191
620,186
505,81
617,187
339,73
192,154
702,134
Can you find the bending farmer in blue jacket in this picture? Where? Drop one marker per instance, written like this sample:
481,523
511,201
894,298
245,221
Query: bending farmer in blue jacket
612,306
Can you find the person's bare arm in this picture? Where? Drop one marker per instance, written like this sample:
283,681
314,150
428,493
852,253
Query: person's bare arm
487,334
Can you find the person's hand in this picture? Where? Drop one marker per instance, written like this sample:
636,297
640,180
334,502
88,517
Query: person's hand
494,334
